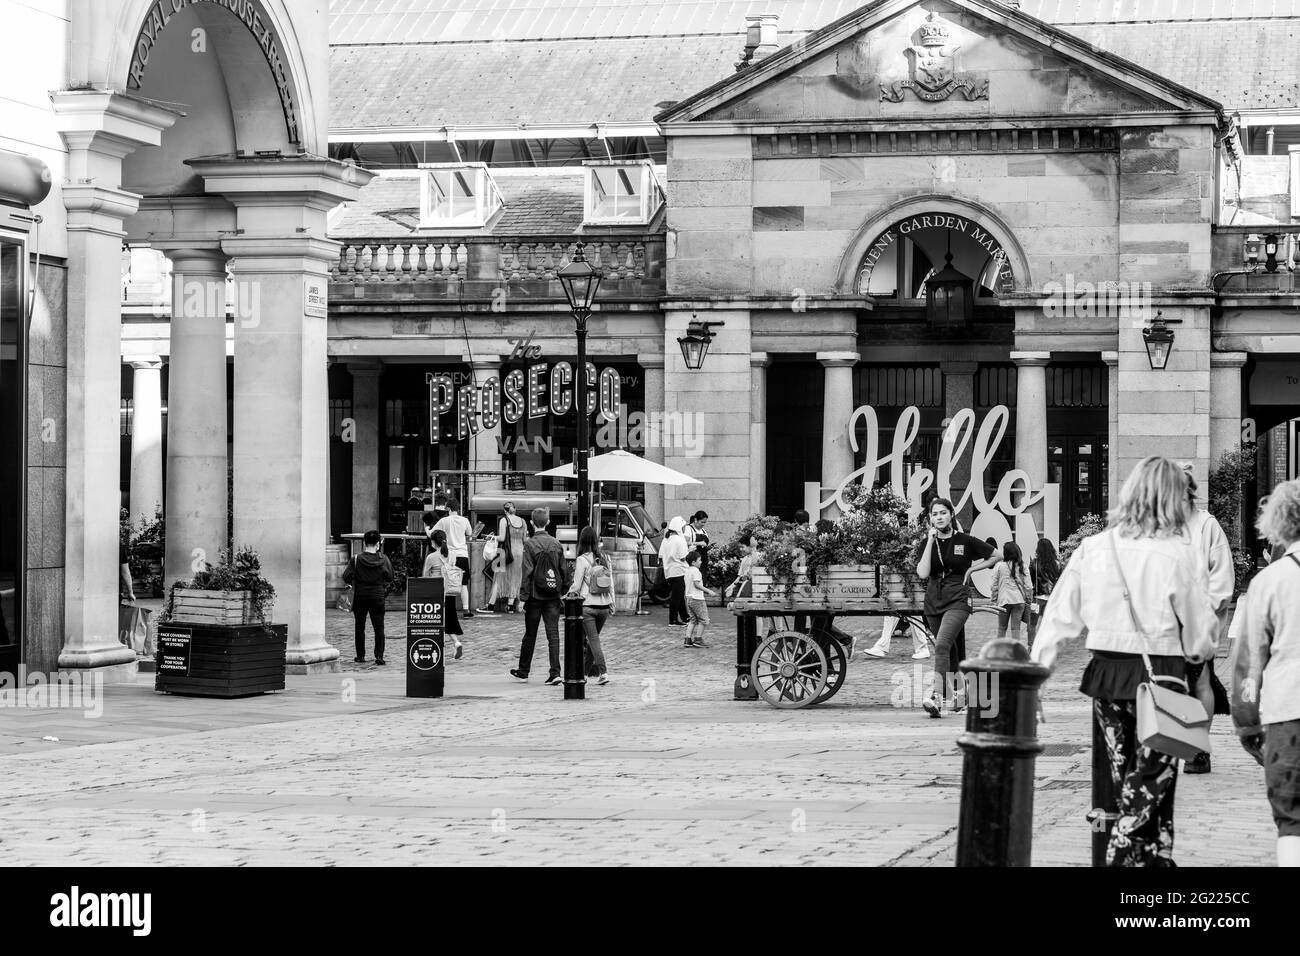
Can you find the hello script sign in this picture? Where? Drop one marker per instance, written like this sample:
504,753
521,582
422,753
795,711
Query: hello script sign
1005,518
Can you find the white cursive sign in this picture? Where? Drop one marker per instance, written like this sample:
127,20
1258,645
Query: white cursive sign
994,519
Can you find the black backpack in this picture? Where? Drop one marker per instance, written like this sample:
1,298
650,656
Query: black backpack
548,578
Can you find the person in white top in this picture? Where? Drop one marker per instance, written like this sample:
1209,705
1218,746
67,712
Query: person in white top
1208,537
458,531
695,594
1011,591
434,564
1139,592
593,582
1265,668
673,555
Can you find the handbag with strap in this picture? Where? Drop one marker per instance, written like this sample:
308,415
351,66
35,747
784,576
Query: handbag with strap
509,546
1168,721
452,577
490,550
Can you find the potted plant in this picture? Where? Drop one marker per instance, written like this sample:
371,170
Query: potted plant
231,592
217,639
144,552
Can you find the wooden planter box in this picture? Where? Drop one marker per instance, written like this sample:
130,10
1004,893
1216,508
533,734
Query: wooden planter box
839,582
212,660
214,607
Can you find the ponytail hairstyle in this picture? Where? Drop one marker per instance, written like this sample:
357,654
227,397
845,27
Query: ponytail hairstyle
439,538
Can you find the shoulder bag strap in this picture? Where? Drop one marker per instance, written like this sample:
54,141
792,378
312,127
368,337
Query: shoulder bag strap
1295,559
1128,600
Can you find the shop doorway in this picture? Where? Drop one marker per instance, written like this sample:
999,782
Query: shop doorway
1080,464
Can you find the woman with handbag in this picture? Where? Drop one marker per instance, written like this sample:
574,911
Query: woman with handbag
509,562
439,564
1208,538
1265,668
1140,594
593,581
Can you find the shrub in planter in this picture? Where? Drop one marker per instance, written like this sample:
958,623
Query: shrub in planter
240,572
1090,525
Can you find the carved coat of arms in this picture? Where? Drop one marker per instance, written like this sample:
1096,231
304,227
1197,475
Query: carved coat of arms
934,74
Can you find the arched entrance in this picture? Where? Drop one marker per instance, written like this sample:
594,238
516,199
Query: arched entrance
212,156
894,252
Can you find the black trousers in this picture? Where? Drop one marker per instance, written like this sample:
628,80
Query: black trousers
375,608
677,613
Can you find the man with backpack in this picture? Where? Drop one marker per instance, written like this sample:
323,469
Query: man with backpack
545,580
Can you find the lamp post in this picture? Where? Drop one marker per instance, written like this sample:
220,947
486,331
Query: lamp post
580,283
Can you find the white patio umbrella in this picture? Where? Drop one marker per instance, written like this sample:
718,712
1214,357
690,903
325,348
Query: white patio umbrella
624,466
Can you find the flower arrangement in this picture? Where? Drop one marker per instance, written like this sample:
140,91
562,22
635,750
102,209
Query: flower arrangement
724,559
242,572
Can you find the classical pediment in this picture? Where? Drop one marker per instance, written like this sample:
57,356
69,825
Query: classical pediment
952,60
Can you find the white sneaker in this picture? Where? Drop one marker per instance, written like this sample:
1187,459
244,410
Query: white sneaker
874,652
603,678
922,654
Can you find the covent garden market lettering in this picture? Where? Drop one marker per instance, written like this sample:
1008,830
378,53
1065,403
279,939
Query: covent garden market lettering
917,223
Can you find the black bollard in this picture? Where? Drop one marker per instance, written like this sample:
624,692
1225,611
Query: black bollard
746,645
995,826
575,681
1105,801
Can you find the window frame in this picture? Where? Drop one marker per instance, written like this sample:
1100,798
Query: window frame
652,195
487,196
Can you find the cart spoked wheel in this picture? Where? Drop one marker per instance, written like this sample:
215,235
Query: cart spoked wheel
789,669
837,666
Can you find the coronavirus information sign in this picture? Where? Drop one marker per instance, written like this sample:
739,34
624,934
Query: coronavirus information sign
424,624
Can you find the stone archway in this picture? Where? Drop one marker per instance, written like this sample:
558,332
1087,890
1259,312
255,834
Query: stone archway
874,231
258,199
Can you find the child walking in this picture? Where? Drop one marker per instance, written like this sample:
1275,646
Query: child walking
695,606
1011,590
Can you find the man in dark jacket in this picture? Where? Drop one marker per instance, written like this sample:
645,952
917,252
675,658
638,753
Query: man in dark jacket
369,573
545,579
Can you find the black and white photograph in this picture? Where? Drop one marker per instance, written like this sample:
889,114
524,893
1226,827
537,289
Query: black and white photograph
693,434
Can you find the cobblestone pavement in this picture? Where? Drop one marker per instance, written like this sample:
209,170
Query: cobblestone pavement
660,766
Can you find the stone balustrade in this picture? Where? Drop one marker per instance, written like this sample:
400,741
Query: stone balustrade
635,265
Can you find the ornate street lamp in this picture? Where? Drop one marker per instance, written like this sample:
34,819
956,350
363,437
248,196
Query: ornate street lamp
580,283
1159,339
950,295
695,343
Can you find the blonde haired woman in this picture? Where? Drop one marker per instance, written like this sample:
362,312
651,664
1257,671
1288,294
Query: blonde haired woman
1139,592
1266,669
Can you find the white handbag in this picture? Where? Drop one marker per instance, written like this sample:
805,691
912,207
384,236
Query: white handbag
452,577
489,550
1168,721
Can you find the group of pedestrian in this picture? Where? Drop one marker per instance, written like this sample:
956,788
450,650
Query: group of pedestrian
1152,596
683,558
370,574
546,581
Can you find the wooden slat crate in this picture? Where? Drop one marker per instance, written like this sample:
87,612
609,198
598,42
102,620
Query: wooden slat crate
839,582
203,660
213,607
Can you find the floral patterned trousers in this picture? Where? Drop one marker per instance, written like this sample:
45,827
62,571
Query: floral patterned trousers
1143,834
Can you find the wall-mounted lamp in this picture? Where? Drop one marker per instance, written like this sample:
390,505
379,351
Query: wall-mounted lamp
1159,340
695,343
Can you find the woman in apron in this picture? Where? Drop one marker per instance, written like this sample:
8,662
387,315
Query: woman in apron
948,560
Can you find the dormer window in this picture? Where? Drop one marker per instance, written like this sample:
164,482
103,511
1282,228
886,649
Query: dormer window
621,193
458,195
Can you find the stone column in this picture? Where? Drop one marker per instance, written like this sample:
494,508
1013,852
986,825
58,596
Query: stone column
1112,415
837,453
197,441
758,363
958,394
146,440
281,262
486,443
365,448
1225,403
652,367
98,128
1031,421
